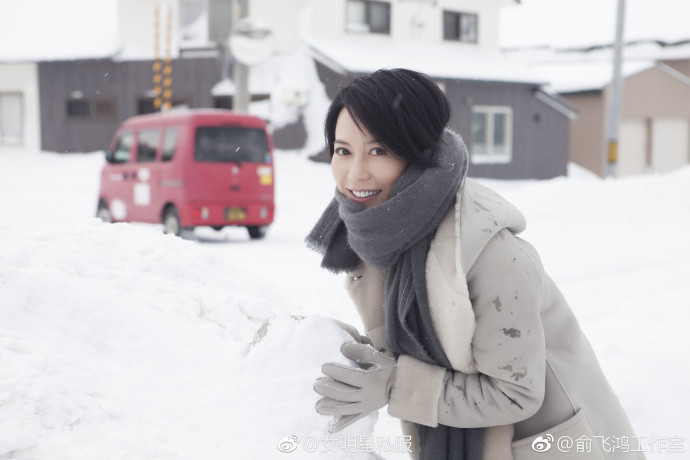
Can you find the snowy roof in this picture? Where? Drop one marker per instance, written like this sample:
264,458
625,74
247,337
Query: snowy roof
590,22
573,71
575,76
639,50
439,60
40,30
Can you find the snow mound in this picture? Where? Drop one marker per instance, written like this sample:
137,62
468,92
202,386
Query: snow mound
284,360
575,171
119,342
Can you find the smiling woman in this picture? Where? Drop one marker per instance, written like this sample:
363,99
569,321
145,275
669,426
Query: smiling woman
365,166
468,341
363,169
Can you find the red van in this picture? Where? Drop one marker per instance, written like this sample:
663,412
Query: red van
190,168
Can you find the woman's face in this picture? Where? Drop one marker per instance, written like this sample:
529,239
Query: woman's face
363,169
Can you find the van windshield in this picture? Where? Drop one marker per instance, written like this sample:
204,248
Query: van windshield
231,144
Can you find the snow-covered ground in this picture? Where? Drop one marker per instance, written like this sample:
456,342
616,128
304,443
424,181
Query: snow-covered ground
117,341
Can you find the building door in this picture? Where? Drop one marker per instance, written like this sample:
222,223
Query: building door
670,143
10,119
632,152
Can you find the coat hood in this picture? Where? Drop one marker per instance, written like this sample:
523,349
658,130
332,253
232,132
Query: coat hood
482,214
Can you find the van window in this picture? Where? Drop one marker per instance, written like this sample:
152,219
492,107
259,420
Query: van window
120,154
147,143
170,143
231,143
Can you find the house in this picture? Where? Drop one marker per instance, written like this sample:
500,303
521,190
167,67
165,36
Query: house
512,127
19,106
71,103
654,129
69,94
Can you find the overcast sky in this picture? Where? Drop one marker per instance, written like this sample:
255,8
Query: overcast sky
564,23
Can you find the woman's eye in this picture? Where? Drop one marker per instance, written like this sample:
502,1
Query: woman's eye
378,151
340,151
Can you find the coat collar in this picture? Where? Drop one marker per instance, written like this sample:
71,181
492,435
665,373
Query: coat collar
478,214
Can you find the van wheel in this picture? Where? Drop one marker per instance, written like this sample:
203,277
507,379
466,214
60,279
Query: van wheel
257,232
171,222
103,212
218,227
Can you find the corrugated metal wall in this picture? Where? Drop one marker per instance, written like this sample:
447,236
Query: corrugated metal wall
124,83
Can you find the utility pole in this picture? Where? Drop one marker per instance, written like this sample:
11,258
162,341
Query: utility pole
616,95
240,100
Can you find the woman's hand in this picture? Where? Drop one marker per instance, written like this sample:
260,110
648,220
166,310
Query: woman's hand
351,393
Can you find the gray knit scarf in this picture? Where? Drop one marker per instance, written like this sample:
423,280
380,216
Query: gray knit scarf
397,235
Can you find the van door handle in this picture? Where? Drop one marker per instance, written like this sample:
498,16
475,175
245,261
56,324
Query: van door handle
235,188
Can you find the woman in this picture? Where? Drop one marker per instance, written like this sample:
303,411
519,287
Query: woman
473,347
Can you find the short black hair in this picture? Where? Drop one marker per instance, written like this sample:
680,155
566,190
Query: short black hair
404,110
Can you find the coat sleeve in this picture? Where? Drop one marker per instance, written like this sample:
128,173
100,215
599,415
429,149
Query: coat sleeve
506,289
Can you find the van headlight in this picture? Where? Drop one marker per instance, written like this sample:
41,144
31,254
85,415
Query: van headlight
263,213
204,213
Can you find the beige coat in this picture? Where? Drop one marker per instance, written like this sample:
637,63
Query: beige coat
521,365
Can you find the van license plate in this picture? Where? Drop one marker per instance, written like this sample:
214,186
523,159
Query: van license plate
235,214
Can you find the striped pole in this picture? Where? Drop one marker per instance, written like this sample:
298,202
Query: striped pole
167,67
157,65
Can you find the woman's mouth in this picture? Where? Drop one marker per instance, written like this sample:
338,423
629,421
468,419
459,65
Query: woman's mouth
363,195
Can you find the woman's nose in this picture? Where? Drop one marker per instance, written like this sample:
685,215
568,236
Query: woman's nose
358,169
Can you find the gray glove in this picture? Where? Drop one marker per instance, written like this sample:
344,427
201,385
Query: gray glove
352,393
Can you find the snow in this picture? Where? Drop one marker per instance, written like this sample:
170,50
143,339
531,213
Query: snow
444,60
292,81
564,77
582,70
225,87
120,342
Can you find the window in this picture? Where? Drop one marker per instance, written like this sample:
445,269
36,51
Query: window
219,20
10,118
460,26
231,143
147,144
193,24
203,22
170,143
103,109
78,108
368,16
222,102
492,134
121,152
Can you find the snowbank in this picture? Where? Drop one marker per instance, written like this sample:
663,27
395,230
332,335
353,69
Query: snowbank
120,342
117,341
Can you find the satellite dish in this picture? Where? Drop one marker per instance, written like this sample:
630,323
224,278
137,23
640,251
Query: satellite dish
252,41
